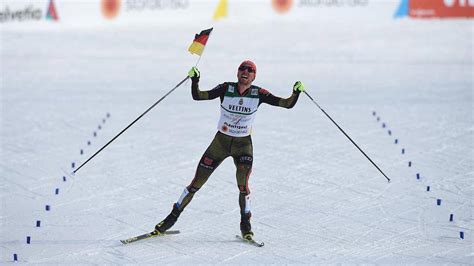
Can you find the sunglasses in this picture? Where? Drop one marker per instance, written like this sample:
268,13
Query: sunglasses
249,69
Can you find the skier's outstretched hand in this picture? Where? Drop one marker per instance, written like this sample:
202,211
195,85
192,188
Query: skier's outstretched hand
298,87
194,73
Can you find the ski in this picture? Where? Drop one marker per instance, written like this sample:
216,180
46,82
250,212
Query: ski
148,235
251,241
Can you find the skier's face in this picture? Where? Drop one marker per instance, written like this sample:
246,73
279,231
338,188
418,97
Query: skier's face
246,74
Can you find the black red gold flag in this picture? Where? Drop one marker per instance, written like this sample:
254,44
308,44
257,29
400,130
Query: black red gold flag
200,40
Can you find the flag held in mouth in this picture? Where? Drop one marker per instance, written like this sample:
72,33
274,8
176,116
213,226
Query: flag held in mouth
200,40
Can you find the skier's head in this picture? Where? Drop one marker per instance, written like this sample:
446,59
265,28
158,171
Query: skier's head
247,72
249,65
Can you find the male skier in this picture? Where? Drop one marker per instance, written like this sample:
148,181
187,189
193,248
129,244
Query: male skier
239,103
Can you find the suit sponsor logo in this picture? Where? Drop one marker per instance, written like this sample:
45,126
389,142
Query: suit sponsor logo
237,108
207,163
234,126
264,91
234,129
246,159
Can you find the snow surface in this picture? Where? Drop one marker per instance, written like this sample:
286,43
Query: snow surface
315,198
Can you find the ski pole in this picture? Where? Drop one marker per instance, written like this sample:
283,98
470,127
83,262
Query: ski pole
151,107
311,98
201,40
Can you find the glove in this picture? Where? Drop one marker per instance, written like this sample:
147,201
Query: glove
194,73
298,87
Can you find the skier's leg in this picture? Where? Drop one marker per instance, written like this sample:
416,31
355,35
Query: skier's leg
208,163
244,169
210,160
243,162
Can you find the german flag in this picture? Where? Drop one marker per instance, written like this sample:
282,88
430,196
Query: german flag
199,42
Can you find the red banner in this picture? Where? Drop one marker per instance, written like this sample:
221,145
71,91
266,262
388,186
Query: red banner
441,8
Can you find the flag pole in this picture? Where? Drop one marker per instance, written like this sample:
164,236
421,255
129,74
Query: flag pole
199,59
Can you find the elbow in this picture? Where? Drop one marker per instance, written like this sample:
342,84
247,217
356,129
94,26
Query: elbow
196,97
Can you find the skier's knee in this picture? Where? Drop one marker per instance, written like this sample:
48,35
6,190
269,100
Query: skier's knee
245,160
208,163
192,189
244,190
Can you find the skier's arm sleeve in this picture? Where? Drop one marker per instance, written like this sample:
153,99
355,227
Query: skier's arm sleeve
199,95
268,98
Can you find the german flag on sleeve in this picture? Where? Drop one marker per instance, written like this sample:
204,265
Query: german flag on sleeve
197,47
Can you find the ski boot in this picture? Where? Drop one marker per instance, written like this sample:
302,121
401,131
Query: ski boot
245,227
169,221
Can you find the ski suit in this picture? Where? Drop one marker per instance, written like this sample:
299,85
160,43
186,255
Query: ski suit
233,136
